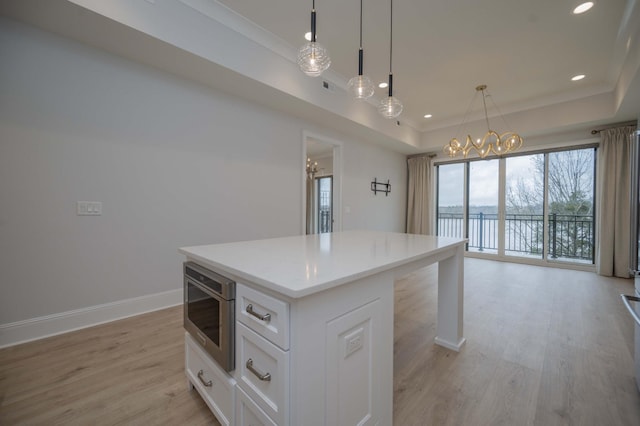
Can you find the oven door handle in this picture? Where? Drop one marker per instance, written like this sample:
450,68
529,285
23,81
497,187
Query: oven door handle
626,299
204,289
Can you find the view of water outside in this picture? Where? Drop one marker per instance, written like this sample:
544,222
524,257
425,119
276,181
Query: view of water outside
570,220
450,199
483,206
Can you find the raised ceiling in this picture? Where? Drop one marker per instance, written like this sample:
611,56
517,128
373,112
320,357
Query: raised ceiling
525,51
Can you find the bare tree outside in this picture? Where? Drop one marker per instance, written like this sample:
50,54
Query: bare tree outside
568,228
524,198
570,189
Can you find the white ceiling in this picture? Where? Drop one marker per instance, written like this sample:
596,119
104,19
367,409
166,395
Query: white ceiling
525,51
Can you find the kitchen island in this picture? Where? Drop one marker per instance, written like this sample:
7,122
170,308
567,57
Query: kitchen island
314,322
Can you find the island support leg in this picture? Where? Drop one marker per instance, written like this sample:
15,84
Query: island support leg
451,301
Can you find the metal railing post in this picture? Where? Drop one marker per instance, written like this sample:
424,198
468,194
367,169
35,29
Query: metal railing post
553,235
480,232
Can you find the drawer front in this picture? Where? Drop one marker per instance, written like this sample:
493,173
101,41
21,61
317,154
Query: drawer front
262,370
248,413
214,385
266,315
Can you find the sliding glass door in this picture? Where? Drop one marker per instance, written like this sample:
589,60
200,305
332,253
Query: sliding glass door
451,200
571,208
531,206
524,206
483,206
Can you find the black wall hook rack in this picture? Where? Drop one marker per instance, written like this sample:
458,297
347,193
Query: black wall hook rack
380,187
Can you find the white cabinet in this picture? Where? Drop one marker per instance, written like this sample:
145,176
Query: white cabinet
262,371
319,360
350,367
339,366
248,413
262,355
266,315
215,386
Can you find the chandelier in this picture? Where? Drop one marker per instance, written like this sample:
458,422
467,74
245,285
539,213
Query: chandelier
491,142
312,168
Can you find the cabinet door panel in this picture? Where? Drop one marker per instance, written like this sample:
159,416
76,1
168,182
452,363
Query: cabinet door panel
264,314
214,385
350,367
248,413
262,369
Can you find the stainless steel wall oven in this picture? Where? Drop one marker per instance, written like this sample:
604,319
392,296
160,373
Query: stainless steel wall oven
209,312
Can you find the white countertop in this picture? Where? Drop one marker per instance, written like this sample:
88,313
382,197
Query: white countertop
302,265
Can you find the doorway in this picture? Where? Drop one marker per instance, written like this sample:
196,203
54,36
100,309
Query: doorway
324,204
322,183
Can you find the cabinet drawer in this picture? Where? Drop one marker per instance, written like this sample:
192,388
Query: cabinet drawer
214,385
262,370
264,314
248,413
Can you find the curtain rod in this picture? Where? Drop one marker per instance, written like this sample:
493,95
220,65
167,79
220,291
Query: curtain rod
613,126
424,154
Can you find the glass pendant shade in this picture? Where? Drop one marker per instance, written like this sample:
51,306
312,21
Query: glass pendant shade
313,59
390,107
361,87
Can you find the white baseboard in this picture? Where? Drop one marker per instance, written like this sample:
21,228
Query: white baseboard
50,325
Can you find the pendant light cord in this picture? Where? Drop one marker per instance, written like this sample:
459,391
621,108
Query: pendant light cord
486,116
391,39
360,24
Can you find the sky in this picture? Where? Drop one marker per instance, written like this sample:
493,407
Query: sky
484,176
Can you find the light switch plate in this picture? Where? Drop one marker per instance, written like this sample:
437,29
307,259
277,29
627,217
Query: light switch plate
89,208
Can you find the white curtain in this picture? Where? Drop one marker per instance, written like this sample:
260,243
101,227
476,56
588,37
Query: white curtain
419,190
612,205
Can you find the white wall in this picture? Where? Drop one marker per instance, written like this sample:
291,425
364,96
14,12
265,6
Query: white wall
173,162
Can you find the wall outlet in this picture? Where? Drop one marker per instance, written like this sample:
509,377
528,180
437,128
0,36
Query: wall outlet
353,342
88,208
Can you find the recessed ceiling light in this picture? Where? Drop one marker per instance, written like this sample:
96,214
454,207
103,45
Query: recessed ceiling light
582,8
577,77
383,85
307,36
428,116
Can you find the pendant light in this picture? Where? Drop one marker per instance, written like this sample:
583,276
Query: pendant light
313,58
360,86
390,107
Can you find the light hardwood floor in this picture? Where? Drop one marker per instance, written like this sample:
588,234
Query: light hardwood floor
544,347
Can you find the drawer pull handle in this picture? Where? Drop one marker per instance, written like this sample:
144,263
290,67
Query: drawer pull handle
207,384
264,377
265,317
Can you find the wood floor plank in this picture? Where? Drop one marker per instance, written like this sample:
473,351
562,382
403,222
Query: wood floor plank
544,347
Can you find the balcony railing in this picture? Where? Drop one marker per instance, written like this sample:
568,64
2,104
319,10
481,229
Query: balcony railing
570,236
